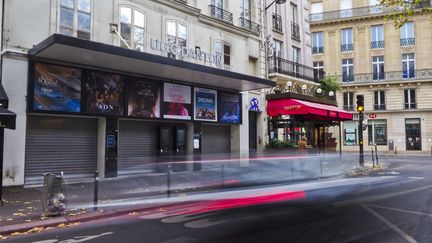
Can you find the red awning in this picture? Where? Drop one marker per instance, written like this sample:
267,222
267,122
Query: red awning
309,109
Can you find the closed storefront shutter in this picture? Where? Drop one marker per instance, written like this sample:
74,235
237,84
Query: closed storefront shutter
56,144
138,142
216,139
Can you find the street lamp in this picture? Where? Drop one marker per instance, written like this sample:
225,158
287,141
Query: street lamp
275,1
289,85
304,88
319,91
331,93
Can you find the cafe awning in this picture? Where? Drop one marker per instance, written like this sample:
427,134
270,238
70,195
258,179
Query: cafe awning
92,54
310,110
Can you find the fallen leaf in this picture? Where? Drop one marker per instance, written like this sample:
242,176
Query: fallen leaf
61,225
19,214
29,208
15,233
3,237
25,203
9,219
21,210
28,220
133,213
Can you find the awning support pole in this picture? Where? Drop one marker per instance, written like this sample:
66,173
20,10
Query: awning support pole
1,164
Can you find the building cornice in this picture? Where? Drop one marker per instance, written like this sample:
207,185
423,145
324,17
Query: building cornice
180,6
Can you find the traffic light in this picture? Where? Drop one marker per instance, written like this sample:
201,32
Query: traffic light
360,103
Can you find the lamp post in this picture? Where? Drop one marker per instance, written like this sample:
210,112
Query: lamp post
289,85
304,88
275,1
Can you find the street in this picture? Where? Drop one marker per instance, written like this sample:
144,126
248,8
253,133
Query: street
389,206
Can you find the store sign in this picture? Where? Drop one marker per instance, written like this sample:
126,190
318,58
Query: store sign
372,116
205,104
254,105
144,99
104,94
230,108
292,107
177,101
170,47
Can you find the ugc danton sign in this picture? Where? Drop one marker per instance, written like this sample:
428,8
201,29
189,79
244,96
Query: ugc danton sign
170,46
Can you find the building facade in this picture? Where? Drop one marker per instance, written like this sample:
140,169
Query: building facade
116,85
390,67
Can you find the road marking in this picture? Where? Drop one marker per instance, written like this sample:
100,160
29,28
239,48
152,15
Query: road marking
76,239
416,178
400,210
204,223
392,226
380,197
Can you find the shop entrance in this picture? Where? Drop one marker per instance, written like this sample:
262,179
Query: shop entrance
253,131
413,134
172,145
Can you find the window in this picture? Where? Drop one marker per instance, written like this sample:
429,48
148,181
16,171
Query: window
176,33
296,54
294,13
316,11
377,132
132,24
278,53
347,70
375,6
377,36
379,100
317,42
410,99
223,49
350,132
407,34
347,40
276,17
75,18
295,28
378,68
345,7
318,71
348,101
408,65
245,9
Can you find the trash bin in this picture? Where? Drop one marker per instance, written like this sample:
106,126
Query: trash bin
54,195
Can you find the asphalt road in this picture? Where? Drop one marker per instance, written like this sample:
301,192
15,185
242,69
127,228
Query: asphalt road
394,208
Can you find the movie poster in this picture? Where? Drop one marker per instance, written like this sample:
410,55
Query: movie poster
144,99
205,107
57,88
230,108
104,94
177,101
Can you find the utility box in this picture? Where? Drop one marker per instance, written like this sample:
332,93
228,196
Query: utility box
391,145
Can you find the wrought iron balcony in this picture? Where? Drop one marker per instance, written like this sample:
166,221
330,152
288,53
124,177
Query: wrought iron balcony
317,49
347,78
352,13
410,105
379,107
294,69
250,25
407,41
347,47
377,44
295,31
368,78
277,22
378,76
221,14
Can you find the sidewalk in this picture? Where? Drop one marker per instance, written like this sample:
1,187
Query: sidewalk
23,207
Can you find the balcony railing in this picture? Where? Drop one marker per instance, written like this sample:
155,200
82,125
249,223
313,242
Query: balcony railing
379,107
250,25
410,105
367,78
317,49
377,44
347,47
277,22
356,12
221,14
295,31
348,107
294,69
407,41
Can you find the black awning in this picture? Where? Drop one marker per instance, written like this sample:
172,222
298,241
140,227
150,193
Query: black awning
7,118
4,101
93,54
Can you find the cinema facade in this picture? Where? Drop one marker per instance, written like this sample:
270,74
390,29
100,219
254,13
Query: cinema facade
91,105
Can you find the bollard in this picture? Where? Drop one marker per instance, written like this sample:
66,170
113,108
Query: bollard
169,182
321,169
376,154
96,189
222,175
395,150
373,159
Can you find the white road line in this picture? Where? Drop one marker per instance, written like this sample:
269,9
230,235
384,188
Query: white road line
380,197
416,178
392,226
204,223
400,210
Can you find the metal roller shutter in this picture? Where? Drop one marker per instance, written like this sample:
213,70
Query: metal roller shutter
57,144
216,139
137,146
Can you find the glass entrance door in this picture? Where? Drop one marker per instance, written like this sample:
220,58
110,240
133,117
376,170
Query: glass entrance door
413,134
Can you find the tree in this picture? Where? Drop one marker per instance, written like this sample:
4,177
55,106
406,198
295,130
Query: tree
407,8
330,84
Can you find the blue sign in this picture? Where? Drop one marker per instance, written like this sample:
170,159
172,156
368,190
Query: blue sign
254,105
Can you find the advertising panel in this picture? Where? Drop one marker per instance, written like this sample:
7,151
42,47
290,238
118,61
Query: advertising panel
177,101
57,88
144,99
205,105
104,94
230,108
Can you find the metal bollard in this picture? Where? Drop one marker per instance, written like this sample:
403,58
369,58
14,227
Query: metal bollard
169,182
222,175
376,154
96,189
373,159
321,168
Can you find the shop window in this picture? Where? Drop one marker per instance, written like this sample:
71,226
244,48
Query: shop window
377,132
132,23
75,18
224,49
177,34
350,133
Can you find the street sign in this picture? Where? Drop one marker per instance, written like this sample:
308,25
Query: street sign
372,115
